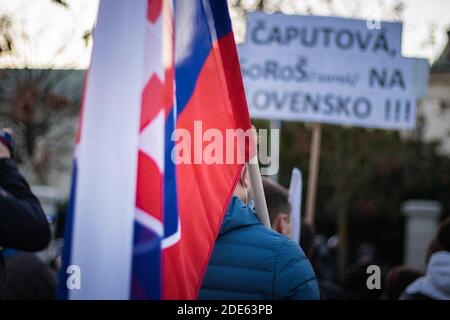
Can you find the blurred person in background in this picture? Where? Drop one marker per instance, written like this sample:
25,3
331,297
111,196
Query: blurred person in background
397,279
356,278
320,257
23,224
29,278
253,262
435,285
278,207
277,199
323,256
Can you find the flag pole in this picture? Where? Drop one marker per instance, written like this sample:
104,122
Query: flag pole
313,173
258,193
257,187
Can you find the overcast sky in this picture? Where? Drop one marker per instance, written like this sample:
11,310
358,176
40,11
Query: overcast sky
48,26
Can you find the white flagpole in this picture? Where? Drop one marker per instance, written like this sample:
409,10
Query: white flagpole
258,192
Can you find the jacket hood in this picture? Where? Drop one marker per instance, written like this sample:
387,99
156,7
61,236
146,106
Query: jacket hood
238,215
436,282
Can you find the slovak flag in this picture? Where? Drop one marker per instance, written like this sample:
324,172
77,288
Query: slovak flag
142,224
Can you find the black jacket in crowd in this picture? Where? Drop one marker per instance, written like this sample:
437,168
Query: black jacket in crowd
23,224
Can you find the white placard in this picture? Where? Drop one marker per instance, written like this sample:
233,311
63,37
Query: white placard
330,70
331,34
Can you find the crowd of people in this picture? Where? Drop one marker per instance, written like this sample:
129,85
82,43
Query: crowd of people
249,260
400,283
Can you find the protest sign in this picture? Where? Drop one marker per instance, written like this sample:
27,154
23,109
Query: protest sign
330,70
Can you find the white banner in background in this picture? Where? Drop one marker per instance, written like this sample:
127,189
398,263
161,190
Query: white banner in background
295,199
330,70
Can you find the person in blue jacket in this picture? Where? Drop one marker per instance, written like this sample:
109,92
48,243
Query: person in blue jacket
251,261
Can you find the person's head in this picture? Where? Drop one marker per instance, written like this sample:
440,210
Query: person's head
397,279
277,199
243,188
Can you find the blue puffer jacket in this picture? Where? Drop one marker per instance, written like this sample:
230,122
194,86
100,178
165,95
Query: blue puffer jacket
250,261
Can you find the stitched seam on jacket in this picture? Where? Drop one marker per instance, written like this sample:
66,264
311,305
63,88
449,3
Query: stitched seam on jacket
230,290
275,268
238,267
306,281
238,244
